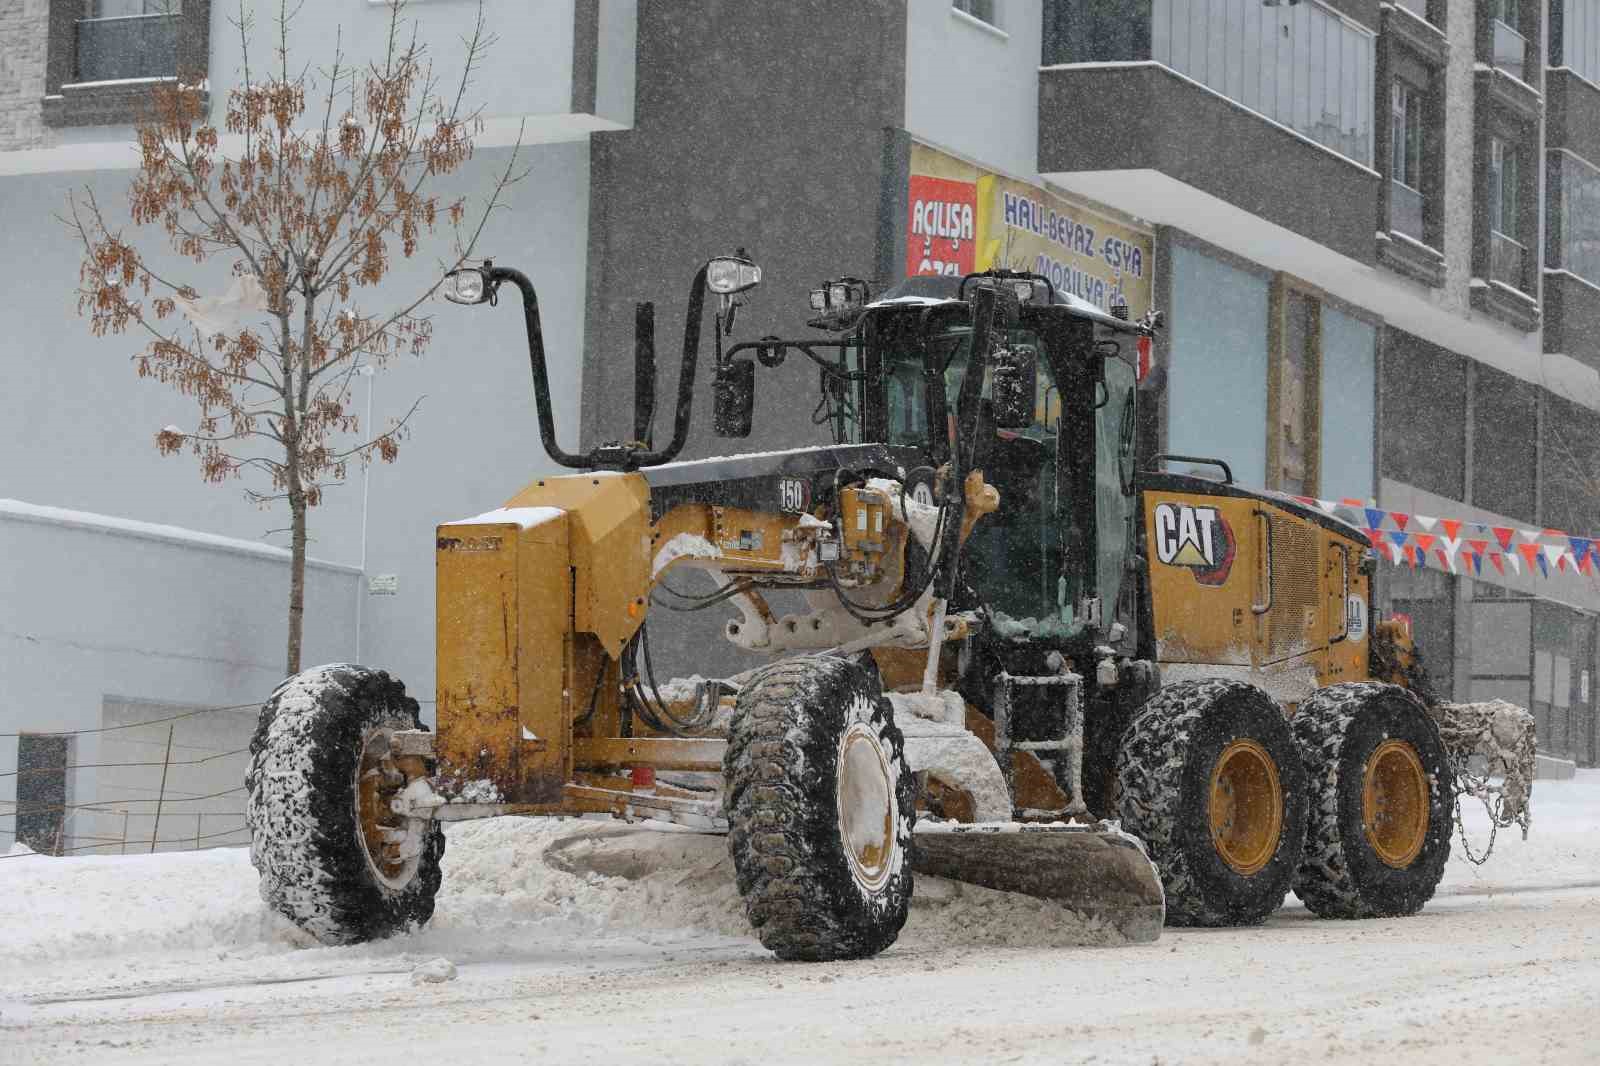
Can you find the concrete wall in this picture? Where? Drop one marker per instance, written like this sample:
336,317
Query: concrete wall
80,424
739,141
95,609
974,88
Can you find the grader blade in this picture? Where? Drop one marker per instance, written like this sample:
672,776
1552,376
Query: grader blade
1097,871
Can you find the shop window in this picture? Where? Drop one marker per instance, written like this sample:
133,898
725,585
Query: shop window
1218,373
1428,599
1348,399
1505,436
1502,641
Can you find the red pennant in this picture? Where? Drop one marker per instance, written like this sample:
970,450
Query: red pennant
1400,519
1452,528
1529,552
1424,540
1478,547
1444,563
1561,562
1585,567
1348,502
1498,560
1504,535
1411,555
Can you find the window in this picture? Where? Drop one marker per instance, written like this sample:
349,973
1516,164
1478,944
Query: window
982,10
120,39
1406,199
1301,65
1576,192
102,55
1575,37
1510,46
1505,252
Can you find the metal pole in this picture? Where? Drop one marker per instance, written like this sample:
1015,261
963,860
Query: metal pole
155,830
366,371
124,832
197,831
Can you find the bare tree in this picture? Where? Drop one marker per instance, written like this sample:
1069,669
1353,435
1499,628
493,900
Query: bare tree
308,208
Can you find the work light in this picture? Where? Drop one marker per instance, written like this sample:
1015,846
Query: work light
727,275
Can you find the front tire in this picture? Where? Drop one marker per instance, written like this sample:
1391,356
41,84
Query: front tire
1210,779
1382,797
820,806
332,858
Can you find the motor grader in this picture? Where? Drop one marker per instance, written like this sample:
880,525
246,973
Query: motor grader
1025,658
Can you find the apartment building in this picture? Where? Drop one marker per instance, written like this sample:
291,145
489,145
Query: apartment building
1371,227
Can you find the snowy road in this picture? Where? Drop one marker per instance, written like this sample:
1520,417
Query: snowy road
171,959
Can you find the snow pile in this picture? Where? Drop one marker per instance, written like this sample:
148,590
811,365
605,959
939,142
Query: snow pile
519,890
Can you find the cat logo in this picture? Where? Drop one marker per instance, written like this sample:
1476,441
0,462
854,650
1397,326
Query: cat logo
1197,538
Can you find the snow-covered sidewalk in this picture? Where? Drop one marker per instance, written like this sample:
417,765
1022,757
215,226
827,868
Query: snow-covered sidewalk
106,947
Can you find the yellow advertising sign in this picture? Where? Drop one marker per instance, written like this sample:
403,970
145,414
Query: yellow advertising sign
963,219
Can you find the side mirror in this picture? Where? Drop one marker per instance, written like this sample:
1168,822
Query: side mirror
469,285
733,395
1014,385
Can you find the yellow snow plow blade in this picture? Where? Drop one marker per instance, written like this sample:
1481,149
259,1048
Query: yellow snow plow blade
1097,871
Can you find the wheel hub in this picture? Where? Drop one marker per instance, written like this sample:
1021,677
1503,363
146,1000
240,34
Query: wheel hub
391,843
1394,803
1246,802
868,809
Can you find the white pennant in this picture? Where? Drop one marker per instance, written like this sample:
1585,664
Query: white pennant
1425,522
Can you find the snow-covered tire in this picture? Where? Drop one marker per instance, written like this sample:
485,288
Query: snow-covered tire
1168,776
1349,735
306,839
820,806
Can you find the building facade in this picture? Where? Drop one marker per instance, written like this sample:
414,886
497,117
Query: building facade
1371,228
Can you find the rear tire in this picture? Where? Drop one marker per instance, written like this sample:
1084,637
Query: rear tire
820,806
1210,780
1372,749
318,867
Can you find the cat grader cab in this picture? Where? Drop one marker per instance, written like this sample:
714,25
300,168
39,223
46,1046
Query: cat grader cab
1025,659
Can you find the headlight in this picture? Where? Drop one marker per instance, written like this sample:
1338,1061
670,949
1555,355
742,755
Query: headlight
466,286
728,275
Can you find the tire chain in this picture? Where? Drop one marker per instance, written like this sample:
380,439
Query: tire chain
779,875
1323,880
1149,772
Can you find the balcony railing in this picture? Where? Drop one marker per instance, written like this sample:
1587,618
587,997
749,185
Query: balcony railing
1510,50
1418,8
1505,259
127,46
1405,210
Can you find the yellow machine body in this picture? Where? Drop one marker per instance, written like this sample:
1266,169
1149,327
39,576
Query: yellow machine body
1244,585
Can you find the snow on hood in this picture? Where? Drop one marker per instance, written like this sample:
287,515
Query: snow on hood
526,517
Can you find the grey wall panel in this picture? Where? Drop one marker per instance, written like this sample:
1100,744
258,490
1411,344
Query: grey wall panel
1243,159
